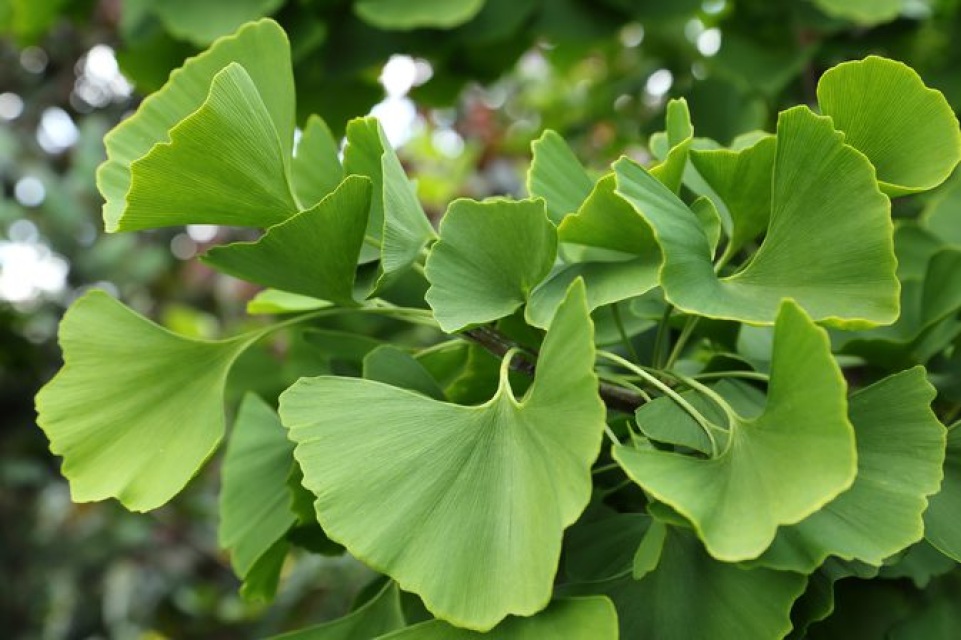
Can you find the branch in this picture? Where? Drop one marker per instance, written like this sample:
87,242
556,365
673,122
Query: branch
616,398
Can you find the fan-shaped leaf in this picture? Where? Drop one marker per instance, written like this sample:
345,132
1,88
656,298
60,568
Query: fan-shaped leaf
314,253
742,180
136,410
898,436
255,509
263,51
475,496
777,468
557,176
589,618
417,14
489,257
680,136
203,22
908,131
824,195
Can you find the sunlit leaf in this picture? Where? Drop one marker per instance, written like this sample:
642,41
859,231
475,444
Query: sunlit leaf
314,253
589,618
475,496
315,168
245,183
272,301
942,520
489,257
908,131
136,410
261,48
417,14
778,468
379,615
898,436
254,501
557,176
824,194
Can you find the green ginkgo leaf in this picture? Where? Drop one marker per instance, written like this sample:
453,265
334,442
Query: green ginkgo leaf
742,180
942,520
397,221
136,409
777,468
689,595
489,258
203,22
245,183
866,12
824,195
942,213
680,136
606,221
898,436
379,615
908,131
315,168
255,509
453,494
274,301
606,282
557,176
261,48
587,618
391,15
314,253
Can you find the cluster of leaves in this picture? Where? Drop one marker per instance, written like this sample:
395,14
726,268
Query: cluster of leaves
708,403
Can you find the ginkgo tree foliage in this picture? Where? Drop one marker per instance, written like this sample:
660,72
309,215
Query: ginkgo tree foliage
671,401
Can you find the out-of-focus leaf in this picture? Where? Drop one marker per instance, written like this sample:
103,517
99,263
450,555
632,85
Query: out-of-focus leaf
379,615
204,22
417,14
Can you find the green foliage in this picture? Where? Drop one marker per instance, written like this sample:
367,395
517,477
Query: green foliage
748,452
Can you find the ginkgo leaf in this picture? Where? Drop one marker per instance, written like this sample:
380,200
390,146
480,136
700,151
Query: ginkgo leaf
942,520
417,14
135,410
691,596
824,194
273,301
203,22
490,256
315,168
680,136
255,509
605,221
742,180
606,282
557,176
314,253
898,436
392,366
908,131
397,221
381,614
245,183
866,12
587,618
777,468
472,495
261,48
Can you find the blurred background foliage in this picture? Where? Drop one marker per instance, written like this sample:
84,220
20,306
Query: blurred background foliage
462,87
